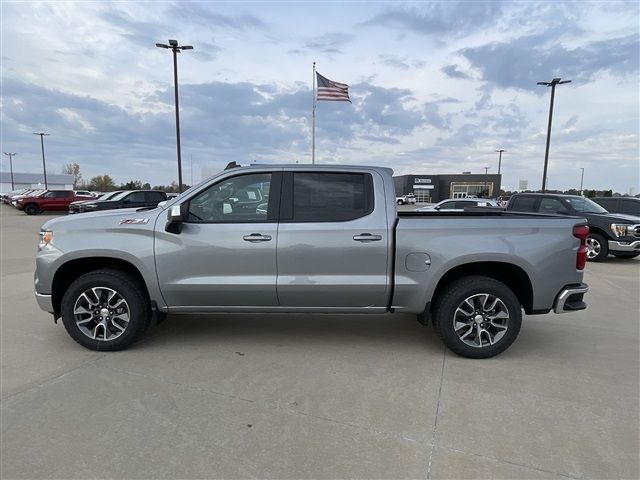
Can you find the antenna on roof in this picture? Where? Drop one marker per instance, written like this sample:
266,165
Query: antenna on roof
231,165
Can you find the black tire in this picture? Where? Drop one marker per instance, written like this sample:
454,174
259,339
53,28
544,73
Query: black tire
31,209
626,255
446,312
597,248
400,202
128,288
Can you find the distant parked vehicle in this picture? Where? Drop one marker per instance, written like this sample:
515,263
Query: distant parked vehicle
13,200
49,200
627,205
125,199
86,193
459,204
76,207
615,233
408,199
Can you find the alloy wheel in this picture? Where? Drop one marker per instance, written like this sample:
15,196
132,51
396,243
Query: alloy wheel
481,320
101,313
593,248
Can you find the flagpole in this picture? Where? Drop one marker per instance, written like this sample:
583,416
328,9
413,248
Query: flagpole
313,129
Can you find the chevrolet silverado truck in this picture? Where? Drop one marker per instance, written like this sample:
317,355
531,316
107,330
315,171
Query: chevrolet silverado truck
609,233
313,239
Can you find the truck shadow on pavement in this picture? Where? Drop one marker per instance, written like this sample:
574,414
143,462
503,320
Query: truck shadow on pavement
381,331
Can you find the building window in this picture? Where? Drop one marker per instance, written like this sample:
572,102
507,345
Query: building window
466,189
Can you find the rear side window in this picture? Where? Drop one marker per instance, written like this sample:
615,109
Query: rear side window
630,207
553,206
331,197
135,197
154,197
608,204
523,204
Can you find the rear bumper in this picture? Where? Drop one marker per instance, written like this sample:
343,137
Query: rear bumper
44,302
570,298
625,247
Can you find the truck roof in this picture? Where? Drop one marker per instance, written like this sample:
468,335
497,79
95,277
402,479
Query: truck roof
307,166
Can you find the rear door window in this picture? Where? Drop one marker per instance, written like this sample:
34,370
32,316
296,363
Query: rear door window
630,207
135,197
524,204
331,197
552,206
154,197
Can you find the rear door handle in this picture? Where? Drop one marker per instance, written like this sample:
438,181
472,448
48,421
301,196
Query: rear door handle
367,237
256,237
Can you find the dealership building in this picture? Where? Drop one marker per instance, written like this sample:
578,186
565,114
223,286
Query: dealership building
55,181
435,188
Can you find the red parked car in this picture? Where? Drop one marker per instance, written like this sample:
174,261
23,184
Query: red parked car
52,200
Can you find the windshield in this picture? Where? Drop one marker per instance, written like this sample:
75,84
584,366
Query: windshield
586,206
110,195
121,195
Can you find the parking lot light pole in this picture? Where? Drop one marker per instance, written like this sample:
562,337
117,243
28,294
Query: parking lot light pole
11,155
581,180
500,159
44,165
552,84
486,174
175,48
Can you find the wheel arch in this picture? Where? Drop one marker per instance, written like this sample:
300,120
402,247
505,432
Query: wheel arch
511,275
73,269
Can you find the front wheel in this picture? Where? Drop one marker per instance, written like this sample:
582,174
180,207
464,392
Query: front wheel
105,310
597,248
400,202
477,317
31,209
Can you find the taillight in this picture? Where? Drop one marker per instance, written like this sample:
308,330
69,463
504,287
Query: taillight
581,232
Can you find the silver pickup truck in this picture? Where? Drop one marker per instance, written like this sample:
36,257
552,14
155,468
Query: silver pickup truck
312,239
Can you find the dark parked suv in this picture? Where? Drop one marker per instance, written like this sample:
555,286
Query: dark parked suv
618,234
626,205
126,199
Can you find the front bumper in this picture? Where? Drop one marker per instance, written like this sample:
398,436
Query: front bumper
44,302
570,298
625,247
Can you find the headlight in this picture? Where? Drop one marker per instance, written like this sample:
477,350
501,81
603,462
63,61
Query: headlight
90,206
619,230
45,238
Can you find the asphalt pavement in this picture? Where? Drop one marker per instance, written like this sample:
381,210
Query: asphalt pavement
317,396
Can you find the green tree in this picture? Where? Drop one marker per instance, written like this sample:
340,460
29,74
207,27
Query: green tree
102,183
73,169
132,185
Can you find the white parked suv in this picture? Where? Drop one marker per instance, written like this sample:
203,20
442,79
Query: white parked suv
408,199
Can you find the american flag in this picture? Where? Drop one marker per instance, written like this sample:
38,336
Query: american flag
331,91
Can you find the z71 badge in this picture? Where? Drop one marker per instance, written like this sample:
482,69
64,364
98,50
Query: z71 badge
134,221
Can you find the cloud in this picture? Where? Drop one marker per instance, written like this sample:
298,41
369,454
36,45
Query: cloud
329,44
194,12
521,62
437,18
454,72
402,63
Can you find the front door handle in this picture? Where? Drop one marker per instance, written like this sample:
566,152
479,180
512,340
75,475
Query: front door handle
367,237
256,237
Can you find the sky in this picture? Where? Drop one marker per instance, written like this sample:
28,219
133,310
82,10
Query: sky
436,87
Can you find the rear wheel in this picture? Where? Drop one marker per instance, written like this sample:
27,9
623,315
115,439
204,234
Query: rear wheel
597,248
400,202
477,317
105,310
626,255
31,209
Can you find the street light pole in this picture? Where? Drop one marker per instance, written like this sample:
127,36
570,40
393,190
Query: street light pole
552,84
581,180
44,165
11,166
175,48
486,173
500,159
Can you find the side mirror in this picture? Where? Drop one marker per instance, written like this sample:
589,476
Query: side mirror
437,208
162,203
175,218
